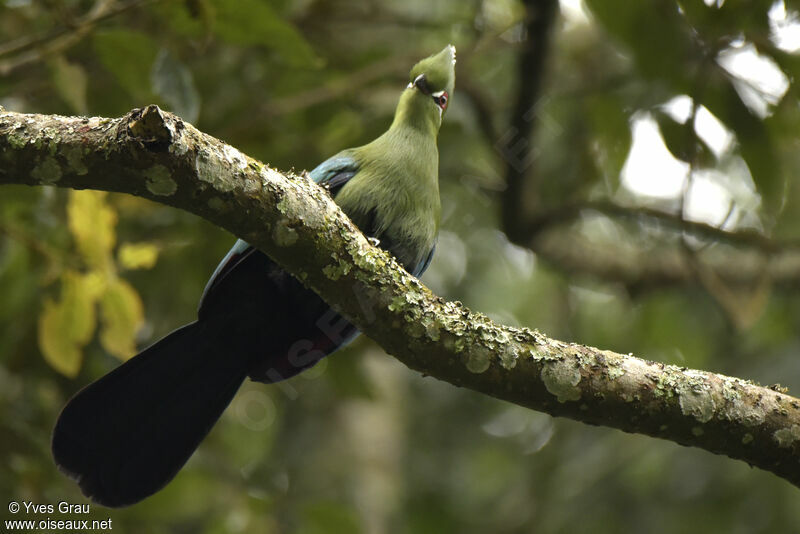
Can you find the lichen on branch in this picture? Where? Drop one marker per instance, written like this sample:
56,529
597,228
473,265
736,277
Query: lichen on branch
155,155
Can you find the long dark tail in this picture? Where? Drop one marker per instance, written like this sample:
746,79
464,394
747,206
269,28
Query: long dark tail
127,435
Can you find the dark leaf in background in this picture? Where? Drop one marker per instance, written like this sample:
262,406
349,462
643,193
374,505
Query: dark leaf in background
255,22
683,142
654,35
363,444
173,82
754,143
70,81
611,131
129,56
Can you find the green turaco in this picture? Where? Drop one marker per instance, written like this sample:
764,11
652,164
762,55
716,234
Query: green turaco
127,435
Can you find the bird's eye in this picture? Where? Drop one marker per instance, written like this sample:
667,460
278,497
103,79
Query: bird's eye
421,83
440,99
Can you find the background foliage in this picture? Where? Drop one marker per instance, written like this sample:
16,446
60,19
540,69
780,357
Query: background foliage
359,443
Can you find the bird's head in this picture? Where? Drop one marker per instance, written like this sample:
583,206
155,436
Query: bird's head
435,77
430,87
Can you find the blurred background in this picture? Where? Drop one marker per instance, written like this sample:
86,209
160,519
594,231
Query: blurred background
614,173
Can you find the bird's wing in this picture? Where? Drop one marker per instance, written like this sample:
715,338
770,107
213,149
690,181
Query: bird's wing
332,174
423,265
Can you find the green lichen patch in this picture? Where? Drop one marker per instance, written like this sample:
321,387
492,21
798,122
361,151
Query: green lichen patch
334,271
668,382
179,148
415,329
730,391
737,407
398,304
283,234
545,353
47,137
509,355
787,436
16,141
159,181
744,413
211,169
283,205
615,370
478,360
561,379
696,401
47,172
431,327
74,156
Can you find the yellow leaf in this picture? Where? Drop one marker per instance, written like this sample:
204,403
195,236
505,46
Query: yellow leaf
67,325
123,315
58,350
137,255
92,222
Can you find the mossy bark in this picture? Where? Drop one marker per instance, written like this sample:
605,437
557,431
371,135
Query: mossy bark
155,155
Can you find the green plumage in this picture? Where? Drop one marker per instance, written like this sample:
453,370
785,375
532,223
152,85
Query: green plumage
397,187
125,436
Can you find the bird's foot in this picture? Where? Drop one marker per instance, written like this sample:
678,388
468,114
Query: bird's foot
374,241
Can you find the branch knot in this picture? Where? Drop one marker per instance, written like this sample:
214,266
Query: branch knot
151,127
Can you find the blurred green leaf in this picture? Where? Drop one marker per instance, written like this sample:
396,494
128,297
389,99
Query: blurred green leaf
679,138
611,131
173,82
70,81
122,316
653,33
677,324
67,325
201,10
18,288
683,142
129,56
748,17
755,143
346,373
191,18
255,22
329,518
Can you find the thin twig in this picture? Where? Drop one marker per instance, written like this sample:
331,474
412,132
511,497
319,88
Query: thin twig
27,50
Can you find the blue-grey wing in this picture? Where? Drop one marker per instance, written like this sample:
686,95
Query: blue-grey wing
334,172
423,265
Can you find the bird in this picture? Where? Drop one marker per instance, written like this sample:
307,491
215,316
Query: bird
127,435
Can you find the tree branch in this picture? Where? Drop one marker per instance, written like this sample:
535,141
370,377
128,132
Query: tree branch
741,258
32,49
155,155
747,238
516,146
